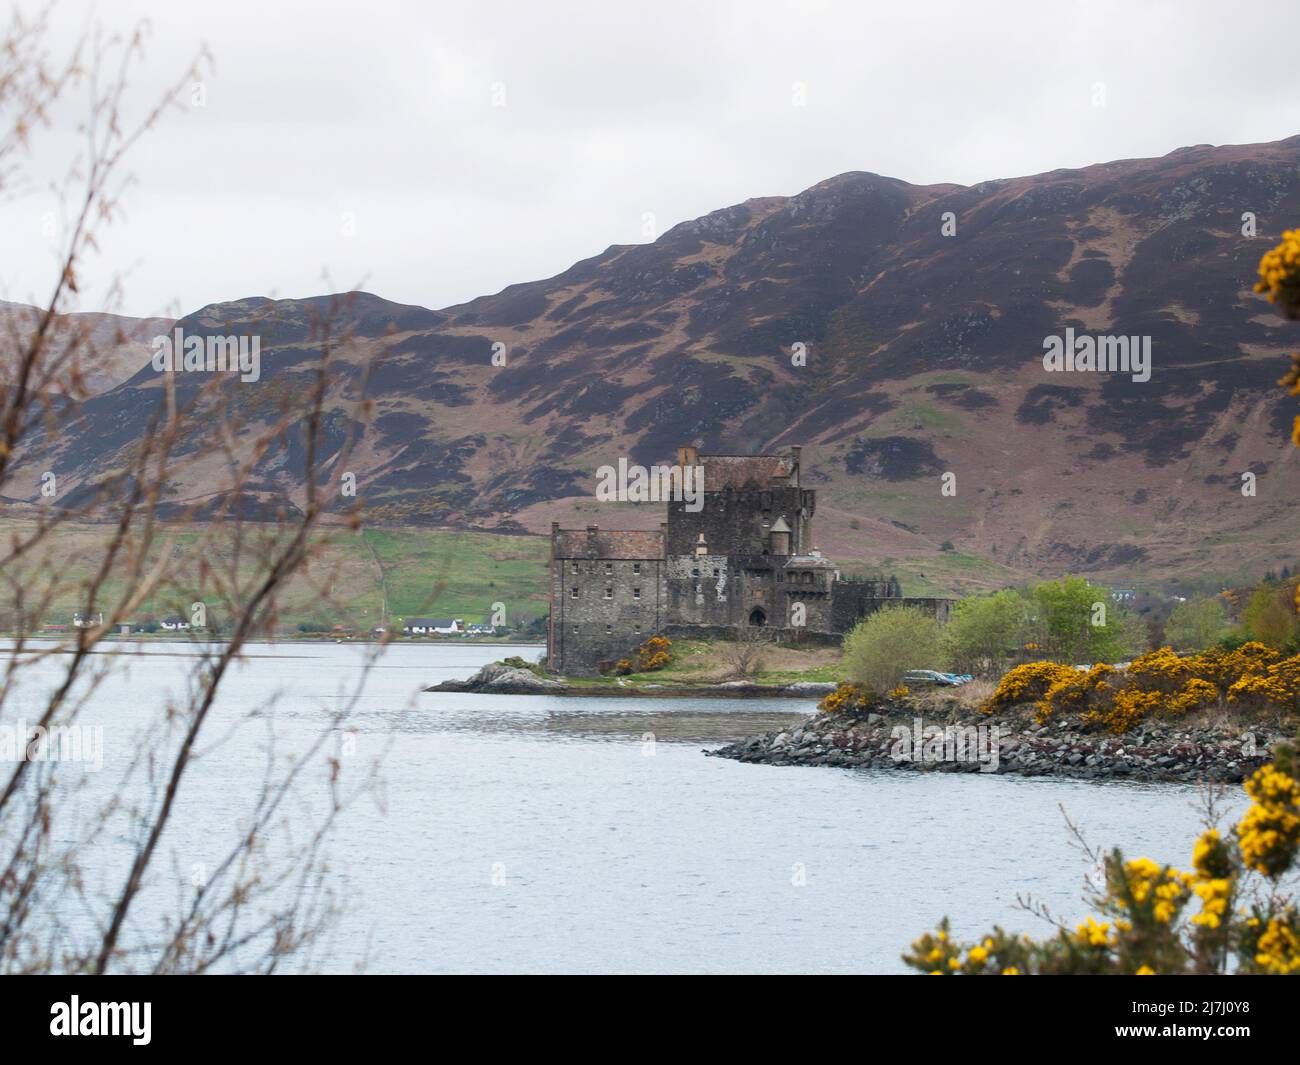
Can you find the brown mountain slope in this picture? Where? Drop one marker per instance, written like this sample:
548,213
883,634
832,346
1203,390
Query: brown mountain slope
924,357
120,343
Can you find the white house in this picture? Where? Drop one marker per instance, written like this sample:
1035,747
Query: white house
174,623
429,626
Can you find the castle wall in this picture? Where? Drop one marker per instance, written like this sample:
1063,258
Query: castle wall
853,601
701,589
597,615
814,591
613,590
737,520
607,596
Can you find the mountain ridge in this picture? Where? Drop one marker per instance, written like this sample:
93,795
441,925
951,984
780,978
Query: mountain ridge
923,357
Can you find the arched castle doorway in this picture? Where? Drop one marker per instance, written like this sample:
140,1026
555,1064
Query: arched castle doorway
757,616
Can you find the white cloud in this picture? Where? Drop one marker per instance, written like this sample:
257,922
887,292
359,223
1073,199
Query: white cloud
386,110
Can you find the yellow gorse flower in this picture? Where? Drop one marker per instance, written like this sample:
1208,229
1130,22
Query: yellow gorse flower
1269,834
1278,948
1092,934
1279,274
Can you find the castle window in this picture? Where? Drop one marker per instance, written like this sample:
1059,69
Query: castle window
636,629
609,593
575,630
636,593
573,592
780,577
636,567
609,629
695,572
715,571
609,568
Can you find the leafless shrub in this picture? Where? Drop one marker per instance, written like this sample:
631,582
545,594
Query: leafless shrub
80,891
743,654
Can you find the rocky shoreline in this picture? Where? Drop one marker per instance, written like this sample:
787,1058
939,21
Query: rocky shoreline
501,678
899,736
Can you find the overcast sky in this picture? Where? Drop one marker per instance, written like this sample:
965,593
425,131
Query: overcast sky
478,144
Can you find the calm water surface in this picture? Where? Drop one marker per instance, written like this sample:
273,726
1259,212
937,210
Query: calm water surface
537,834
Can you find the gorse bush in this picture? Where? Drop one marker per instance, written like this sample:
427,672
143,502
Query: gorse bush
846,696
1159,683
1228,915
655,653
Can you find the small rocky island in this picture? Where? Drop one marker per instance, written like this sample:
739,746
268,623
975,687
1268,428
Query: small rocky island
514,676
900,734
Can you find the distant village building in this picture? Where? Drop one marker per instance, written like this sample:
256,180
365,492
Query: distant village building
479,630
745,559
87,621
431,626
174,623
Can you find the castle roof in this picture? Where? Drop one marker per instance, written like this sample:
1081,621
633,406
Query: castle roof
735,471
809,562
607,543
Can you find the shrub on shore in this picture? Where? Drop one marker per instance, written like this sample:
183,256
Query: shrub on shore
655,653
1243,923
885,645
846,696
1251,677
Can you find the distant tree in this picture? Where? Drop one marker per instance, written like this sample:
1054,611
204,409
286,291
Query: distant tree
885,645
1195,624
1079,624
1270,615
985,631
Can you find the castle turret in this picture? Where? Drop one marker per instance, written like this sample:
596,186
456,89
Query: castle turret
779,537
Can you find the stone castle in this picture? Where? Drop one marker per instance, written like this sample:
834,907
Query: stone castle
746,558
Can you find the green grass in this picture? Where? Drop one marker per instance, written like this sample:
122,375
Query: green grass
415,571
461,574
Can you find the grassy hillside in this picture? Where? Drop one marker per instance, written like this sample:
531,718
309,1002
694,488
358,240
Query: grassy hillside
355,575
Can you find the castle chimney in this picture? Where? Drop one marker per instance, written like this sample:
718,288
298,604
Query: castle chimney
688,455
797,451
555,528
